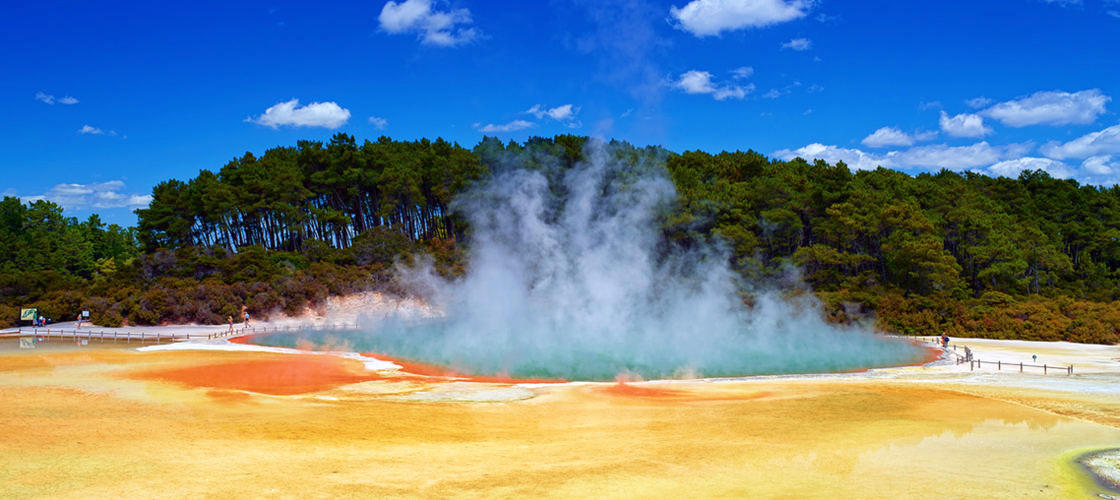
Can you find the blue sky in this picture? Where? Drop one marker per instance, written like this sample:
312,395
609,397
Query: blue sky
101,102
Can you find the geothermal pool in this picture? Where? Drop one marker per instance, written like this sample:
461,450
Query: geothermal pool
434,343
571,277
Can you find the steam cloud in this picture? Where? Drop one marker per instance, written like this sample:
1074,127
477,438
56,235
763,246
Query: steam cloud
569,279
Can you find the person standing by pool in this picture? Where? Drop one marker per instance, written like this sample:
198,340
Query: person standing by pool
79,321
246,313
230,318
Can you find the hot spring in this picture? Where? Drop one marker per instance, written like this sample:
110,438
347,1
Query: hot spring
570,278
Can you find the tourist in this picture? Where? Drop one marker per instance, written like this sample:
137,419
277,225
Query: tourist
230,318
79,321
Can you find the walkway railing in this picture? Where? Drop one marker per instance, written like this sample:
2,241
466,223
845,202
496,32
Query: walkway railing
999,365
48,334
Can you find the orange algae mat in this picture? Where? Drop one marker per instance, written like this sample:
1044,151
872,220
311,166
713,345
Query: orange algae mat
279,374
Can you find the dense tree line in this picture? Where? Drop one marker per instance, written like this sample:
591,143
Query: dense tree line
332,193
1030,257
962,253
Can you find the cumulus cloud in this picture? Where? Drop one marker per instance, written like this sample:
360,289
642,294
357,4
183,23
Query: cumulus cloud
1100,165
963,125
856,159
97,195
558,113
86,129
798,44
1051,108
512,126
712,17
932,157
700,82
1105,141
433,27
378,122
892,136
317,114
938,156
1012,168
742,72
50,99
565,113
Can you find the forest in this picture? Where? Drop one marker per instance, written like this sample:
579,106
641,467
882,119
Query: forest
962,253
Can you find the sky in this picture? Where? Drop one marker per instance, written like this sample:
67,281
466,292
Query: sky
99,103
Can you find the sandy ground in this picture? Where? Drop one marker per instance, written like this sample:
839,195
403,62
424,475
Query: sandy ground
227,420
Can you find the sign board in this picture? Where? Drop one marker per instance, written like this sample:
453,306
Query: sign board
27,342
28,314
85,314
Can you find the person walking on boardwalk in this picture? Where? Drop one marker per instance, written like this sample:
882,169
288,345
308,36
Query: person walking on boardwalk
245,313
230,319
79,321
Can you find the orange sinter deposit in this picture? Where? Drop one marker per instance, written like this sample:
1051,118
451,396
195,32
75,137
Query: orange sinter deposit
273,374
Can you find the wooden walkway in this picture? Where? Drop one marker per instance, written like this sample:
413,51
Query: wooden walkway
156,335
964,355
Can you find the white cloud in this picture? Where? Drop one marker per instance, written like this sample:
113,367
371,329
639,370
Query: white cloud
712,17
963,125
378,122
700,82
855,158
742,72
798,44
505,127
1051,108
932,157
96,195
892,136
978,102
938,156
317,114
1105,141
1012,168
559,113
50,99
772,94
86,129
1100,165
433,27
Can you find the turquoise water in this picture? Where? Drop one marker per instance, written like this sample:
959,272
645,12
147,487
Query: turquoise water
576,358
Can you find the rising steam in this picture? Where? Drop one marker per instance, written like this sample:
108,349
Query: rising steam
569,278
